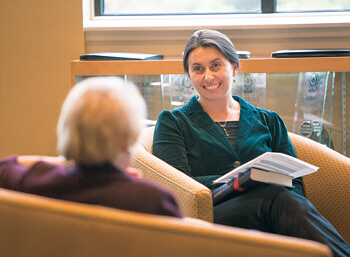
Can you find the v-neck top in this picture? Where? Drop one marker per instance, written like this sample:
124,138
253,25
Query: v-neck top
231,129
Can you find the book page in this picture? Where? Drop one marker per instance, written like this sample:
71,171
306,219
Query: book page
276,162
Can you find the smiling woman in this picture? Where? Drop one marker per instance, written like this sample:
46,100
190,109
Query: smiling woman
195,140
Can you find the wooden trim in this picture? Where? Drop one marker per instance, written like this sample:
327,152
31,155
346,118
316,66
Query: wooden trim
284,65
264,65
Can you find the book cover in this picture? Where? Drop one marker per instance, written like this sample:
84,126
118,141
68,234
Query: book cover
249,179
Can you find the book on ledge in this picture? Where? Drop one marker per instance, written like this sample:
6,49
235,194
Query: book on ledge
303,53
268,168
113,56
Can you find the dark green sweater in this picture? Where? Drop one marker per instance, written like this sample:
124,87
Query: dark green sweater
189,140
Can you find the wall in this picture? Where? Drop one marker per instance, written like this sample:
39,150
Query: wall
38,39
260,41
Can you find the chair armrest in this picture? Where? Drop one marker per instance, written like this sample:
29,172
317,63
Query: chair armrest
328,188
195,199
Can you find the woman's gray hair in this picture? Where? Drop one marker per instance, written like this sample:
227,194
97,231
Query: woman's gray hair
100,121
210,38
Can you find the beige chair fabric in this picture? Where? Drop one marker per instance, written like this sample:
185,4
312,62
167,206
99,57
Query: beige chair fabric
194,199
328,189
35,226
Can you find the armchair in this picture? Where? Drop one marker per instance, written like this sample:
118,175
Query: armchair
38,226
328,189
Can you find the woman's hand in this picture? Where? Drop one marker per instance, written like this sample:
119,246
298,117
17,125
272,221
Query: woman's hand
29,160
134,172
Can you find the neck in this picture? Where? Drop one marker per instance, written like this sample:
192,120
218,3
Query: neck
221,110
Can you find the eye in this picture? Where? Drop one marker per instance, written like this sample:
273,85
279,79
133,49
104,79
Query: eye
215,66
197,69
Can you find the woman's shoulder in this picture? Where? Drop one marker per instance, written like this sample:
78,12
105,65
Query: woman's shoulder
265,115
254,109
171,120
270,117
170,115
266,112
180,113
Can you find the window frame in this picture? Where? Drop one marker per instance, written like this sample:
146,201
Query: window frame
267,6
248,31
93,22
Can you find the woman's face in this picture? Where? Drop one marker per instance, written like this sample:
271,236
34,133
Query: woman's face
211,73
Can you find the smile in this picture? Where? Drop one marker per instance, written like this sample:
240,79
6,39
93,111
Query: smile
212,86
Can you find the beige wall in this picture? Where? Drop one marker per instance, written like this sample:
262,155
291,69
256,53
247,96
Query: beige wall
259,41
38,39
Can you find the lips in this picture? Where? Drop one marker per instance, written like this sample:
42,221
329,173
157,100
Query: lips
212,87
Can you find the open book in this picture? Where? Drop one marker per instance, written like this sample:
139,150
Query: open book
275,162
270,168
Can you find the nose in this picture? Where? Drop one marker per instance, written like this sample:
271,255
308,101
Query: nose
208,76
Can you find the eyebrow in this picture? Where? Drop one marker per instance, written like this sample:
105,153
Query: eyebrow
217,59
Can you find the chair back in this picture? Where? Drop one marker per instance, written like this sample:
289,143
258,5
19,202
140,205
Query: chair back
146,138
328,189
36,226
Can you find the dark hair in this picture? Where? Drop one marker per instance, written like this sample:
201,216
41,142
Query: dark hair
210,38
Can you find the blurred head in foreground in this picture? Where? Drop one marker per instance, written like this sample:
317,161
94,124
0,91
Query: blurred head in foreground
100,121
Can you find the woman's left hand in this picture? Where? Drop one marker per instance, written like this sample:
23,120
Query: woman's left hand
134,172
29,160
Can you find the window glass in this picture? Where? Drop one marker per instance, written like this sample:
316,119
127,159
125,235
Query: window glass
319,5
167,7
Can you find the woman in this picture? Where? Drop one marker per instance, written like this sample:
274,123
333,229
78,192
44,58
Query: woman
100,122
216,132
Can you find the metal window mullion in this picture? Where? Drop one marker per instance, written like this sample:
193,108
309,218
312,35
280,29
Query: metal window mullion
268,6
99,7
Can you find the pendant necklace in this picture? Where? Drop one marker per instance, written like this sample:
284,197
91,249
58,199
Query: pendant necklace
223,126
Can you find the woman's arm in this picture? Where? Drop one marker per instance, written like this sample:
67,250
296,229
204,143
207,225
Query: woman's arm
169,144
13,168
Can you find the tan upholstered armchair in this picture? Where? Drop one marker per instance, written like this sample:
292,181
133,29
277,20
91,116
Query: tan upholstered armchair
328,189
36,226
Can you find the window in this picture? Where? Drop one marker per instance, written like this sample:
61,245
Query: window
187,14
195,7
178,7
277,24
312,6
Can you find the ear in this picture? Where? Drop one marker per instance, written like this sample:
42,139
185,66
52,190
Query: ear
235,69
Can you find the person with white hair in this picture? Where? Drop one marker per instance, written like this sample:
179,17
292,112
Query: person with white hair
100,121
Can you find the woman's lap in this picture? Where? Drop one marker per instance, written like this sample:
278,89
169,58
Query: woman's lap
275,209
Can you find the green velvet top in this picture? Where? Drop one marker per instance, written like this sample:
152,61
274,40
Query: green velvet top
189,140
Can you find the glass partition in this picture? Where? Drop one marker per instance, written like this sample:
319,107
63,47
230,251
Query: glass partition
312,104
310,94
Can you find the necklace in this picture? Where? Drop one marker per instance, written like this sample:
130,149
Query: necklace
223,126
